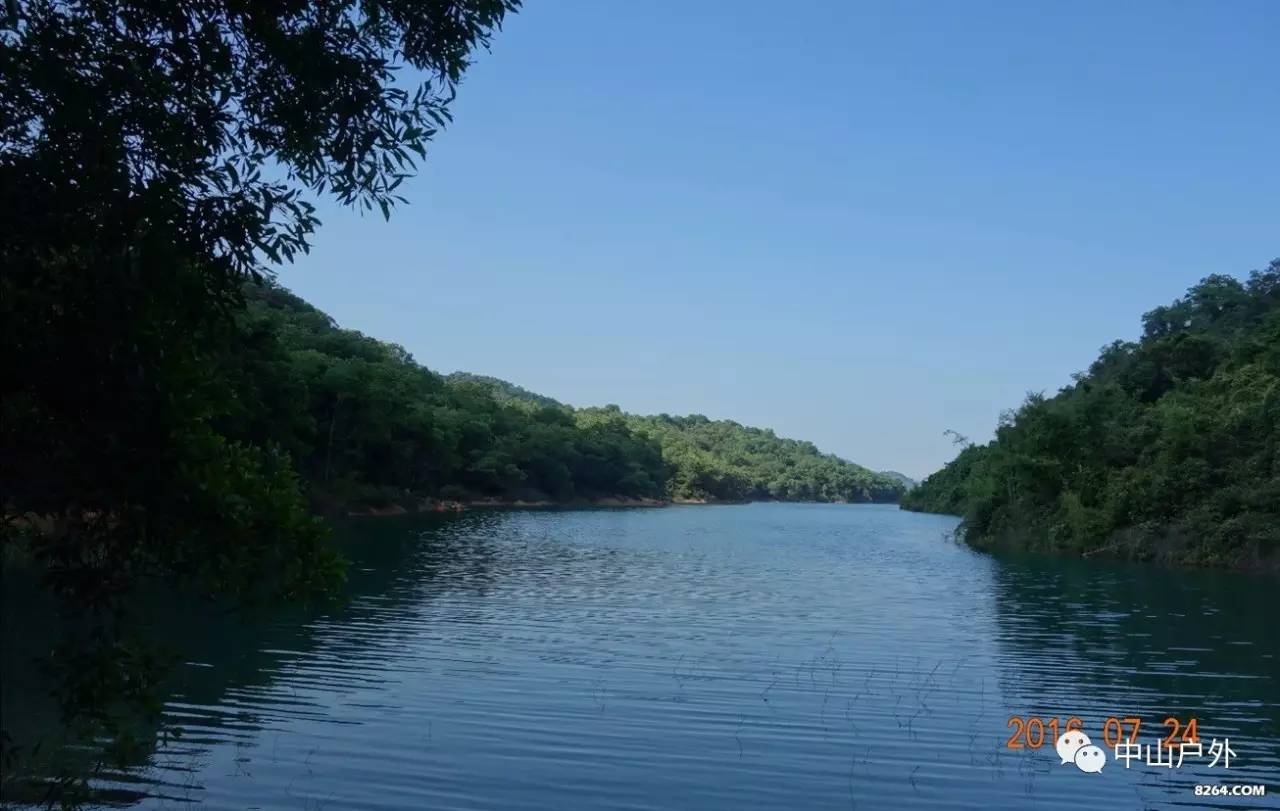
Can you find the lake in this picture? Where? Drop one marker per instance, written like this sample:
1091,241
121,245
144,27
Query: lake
776,656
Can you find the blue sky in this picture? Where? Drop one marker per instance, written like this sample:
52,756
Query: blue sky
855,223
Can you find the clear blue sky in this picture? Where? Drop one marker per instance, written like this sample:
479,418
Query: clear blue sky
854,223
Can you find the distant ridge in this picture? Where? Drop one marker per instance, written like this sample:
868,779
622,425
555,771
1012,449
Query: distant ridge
369,429
906,480
721,460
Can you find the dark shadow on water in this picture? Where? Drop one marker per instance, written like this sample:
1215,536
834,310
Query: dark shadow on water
1097,639
221,650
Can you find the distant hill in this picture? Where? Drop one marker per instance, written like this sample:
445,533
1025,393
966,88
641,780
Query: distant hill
366,426
721,460
907,482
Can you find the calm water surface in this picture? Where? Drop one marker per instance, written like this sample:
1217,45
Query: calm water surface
761,656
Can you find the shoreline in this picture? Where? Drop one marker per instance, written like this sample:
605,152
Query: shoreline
1115,550
464,505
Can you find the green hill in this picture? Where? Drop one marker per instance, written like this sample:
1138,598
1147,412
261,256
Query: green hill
906,481
367,426
720,460
1168,448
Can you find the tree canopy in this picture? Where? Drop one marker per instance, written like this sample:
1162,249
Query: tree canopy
155,154
720,460
1168,448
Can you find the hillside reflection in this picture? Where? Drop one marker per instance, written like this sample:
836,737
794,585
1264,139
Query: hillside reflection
1096,639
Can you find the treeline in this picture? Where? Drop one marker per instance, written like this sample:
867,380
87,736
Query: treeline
1168,448
367,426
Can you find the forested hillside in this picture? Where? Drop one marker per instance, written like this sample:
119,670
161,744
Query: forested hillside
720,460
1168,448
367,426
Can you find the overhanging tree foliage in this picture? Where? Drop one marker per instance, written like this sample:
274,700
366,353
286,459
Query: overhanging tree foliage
155,155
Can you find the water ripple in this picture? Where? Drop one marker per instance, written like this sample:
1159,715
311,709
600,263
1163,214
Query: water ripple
765,656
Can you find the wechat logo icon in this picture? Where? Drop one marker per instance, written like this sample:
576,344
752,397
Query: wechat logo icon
1074,746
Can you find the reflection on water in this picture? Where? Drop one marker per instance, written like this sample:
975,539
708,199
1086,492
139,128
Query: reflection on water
762,656
1111,640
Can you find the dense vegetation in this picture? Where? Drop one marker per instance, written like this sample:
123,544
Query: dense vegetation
368,427
156,155
1167,449
505,392
720,460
